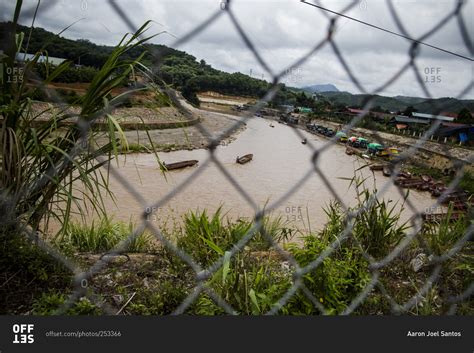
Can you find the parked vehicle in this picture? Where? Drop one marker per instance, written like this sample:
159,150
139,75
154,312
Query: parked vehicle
329,132
374,148
352,141
362,142
311,127
341,136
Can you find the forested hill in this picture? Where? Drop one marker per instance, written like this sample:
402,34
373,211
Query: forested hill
185,73
179,69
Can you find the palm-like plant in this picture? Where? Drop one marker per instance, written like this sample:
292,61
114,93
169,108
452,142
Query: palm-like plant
41,163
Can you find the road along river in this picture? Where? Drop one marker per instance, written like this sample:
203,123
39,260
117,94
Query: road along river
280,161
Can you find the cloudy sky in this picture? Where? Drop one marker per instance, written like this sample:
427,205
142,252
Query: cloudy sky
283,31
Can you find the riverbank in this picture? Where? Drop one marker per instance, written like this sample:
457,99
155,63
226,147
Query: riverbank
160,129
430,154
210,126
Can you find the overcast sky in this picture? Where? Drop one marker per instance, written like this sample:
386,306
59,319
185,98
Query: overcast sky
283,31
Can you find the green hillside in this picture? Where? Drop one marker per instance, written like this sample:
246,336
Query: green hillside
184,72
400,103
177,68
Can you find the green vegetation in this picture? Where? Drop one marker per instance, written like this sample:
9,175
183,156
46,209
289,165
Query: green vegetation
399,103
101,237
465,116
70,75
49,303
39,164
27,272
257,277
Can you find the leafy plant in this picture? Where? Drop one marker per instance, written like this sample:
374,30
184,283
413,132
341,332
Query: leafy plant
334,283
101,236
377,227
49,303
40,163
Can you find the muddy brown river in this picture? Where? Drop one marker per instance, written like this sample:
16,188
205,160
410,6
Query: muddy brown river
280,161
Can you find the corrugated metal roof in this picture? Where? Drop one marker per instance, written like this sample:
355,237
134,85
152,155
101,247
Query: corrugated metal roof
42,59
431,116
406,119
454,125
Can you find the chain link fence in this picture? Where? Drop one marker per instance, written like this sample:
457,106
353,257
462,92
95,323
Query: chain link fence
203,275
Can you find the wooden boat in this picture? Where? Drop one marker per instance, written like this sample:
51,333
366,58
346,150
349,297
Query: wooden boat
386,171
244,159
460,206
409,183
404,175
424,187
437,189
179,165
377,167
350,151
427,178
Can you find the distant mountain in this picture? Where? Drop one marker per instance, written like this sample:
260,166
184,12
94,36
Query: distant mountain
400,103
320,88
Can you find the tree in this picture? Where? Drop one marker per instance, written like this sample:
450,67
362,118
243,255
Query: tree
465,116
409,111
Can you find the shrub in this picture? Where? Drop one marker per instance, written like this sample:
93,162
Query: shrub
334,283
101,236
50,303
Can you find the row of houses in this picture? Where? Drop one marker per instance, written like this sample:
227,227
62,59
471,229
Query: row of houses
447,127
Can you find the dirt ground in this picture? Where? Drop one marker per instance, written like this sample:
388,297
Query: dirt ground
188,137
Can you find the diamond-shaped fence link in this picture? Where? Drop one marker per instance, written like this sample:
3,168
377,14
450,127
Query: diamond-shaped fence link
203,275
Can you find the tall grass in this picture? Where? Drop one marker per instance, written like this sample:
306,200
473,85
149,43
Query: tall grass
102,236
207,238
40,162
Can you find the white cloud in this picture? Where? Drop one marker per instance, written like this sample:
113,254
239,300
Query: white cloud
283,31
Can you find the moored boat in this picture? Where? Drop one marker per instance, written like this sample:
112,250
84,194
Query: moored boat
350,151
244,159
376,167
179,165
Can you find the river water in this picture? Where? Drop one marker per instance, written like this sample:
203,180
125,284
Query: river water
280,160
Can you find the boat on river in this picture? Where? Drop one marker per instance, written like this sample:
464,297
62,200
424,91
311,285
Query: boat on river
244,159
180,165
376,167
386,171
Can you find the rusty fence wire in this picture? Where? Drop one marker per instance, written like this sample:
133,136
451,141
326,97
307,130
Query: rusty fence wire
203,275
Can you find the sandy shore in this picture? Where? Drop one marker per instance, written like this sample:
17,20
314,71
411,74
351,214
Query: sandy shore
211,125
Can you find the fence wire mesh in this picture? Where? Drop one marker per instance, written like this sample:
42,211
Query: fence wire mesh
203,275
